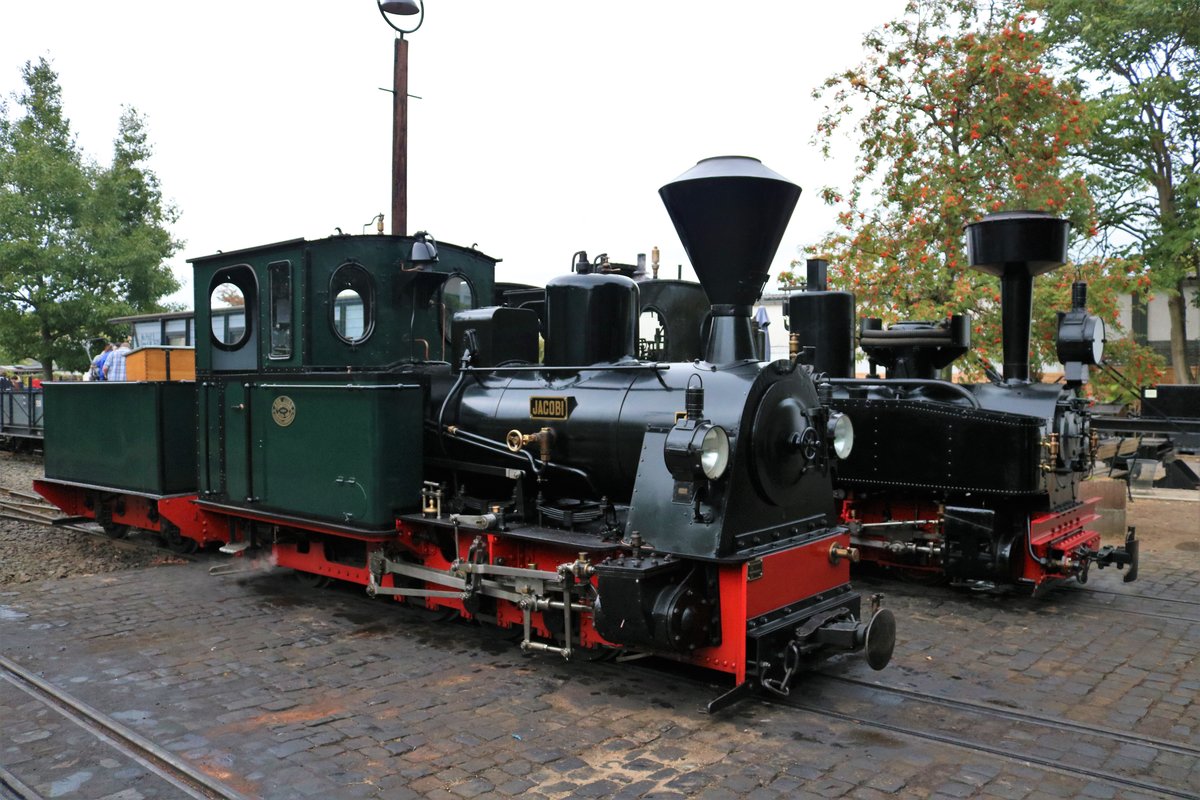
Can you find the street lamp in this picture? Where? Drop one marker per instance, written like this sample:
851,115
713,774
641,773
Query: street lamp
404,8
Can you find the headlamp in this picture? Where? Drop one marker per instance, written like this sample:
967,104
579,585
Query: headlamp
841,433
1080,338
696,450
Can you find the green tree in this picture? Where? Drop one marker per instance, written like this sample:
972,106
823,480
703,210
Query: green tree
1139,64
957,116
79,244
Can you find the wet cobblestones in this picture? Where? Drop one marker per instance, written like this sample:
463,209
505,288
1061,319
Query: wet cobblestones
284,692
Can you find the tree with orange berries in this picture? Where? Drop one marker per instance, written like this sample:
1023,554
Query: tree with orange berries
957,115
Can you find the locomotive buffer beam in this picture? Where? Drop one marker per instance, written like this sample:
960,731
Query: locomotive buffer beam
831,624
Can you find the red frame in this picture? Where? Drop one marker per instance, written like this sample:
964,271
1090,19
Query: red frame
1052,535
787,577
141,511
1057,535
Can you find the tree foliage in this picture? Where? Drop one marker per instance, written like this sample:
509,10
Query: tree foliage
957,116
79,244
1139,64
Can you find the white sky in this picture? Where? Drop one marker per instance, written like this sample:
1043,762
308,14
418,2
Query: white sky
544,127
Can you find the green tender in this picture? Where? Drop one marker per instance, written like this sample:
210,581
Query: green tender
139,437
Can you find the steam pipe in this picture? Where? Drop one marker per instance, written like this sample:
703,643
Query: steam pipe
1016,314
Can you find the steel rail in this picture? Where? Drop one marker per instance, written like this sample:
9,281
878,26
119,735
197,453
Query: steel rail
8,512
22,495
11,788
1011,755
192,782
1090,772
1154,597
1083,604
1154,742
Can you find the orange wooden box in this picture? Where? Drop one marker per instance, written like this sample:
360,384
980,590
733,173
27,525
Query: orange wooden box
161,364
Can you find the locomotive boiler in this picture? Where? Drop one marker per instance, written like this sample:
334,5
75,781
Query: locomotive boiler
978,483
371,423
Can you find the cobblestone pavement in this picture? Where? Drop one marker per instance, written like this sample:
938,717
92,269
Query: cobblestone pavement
285,692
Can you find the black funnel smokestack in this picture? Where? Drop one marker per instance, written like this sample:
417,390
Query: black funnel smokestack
1016,245
730,213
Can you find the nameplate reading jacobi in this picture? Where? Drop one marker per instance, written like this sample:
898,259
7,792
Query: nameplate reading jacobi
549,407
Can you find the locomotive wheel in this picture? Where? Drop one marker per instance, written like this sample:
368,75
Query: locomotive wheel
114,530
311,580
176,542
182,545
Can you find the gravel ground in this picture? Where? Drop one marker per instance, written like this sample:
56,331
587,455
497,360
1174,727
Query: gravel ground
31,552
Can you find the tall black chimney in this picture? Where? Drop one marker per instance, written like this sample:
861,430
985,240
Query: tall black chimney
730,213
1016,245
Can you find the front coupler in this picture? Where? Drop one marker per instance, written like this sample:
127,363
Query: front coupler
1120,557
779,648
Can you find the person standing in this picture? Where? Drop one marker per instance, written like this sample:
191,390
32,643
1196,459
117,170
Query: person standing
99,361
114,367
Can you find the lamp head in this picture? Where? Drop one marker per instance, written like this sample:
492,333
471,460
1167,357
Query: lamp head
402,7
424,249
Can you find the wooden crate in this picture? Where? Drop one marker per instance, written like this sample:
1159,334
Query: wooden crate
161,364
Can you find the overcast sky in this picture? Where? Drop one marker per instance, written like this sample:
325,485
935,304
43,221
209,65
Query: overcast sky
544,127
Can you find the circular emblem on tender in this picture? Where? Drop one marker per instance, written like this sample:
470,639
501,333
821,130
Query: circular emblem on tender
283,411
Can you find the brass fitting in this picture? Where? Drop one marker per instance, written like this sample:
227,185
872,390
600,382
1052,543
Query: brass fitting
1051,445
517,440
837,553
431,499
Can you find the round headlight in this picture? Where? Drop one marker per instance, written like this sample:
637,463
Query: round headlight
841,432
1097,340
714,452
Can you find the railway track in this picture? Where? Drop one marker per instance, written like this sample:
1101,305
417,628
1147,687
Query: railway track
26,507
1052,743
1119,602
1022,738
1066,601
1154,597
178,774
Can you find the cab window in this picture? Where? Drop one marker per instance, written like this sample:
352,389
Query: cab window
352,310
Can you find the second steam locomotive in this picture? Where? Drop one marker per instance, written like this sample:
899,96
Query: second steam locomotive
978,483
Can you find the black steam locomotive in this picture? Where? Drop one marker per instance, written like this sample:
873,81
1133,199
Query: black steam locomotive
978,483
364,419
